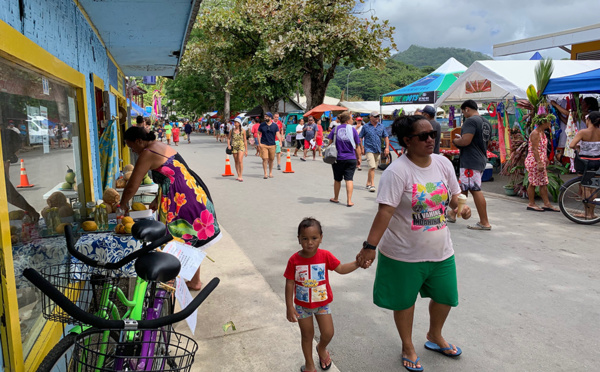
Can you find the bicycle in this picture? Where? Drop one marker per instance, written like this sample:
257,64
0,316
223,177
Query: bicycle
97,284
578,197
132,349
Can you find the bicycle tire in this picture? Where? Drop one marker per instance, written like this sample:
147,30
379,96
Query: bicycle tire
59,357
570,202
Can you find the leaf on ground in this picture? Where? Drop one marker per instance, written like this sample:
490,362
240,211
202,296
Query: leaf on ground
228,325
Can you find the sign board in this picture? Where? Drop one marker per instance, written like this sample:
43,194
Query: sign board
149,80
46,86
420,98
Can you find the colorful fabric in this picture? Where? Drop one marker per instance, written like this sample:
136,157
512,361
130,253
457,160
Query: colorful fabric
185,204
237,142
470,179
312,278
305,312
108,154
537,177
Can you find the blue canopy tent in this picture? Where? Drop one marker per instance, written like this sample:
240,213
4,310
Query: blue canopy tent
428,89
137,110
585,82
536,57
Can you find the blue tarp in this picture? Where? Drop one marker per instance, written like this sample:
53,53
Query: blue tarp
536,57
137,110
585,82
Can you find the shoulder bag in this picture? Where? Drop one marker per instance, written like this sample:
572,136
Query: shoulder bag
330,153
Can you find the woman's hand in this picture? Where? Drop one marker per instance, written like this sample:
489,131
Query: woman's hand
246,153
292,315
465,213
154,204
365,257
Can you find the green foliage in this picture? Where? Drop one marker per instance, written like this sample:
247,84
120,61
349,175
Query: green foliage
369,84
554,181
435,57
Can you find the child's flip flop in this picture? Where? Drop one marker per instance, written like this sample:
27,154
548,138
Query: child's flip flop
442,350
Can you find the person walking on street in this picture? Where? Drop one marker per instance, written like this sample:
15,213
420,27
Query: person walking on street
359,127
309,133
238,143
254,131
308,293
348,148
472,143
299,136
188,130
372,134
319,138
175,131
429,113
416,254
268,132
278,144
168,132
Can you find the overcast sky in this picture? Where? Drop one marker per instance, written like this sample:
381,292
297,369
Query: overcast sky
478,25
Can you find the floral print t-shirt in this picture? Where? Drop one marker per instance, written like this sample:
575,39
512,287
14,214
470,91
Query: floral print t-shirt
185,204
418,229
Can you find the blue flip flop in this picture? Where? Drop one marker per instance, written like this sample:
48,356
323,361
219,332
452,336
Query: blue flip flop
435,347
413,369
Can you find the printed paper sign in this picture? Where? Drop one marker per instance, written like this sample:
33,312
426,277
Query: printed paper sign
190,258
183,295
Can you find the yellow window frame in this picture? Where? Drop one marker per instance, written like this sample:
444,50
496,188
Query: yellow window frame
17,48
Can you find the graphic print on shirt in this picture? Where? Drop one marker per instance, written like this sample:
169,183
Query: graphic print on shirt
310,290
429,206
317,272
319,293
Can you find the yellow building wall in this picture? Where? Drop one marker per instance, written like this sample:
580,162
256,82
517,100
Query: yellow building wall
592,46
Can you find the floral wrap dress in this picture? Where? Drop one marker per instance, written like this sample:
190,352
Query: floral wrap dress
537,177
185,204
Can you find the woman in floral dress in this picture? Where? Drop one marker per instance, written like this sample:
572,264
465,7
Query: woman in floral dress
184,202
536,162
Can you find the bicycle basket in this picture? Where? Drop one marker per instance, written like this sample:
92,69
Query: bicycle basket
83,285
150,350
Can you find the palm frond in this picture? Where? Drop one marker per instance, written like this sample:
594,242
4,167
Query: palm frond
543,72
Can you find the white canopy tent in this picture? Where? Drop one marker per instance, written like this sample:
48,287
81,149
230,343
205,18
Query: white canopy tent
490,81
366,107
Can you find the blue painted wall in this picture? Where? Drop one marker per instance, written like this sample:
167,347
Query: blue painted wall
59,27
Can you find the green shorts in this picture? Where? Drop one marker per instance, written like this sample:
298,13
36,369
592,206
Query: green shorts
397,283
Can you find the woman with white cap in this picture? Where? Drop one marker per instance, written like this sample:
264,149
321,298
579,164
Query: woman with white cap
238,143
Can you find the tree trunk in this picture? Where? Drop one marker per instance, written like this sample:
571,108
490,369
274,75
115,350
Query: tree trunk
227,109
314,89
269,105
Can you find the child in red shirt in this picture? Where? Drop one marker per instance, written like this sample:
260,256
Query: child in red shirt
307,291
175,131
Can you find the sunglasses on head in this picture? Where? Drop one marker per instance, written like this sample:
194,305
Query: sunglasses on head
424,135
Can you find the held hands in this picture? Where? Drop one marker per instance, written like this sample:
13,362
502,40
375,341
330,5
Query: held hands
292,315
365,258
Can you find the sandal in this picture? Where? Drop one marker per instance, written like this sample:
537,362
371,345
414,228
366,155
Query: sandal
479,226
325,362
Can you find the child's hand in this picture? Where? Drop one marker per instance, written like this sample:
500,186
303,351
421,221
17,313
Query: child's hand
367,264
292,315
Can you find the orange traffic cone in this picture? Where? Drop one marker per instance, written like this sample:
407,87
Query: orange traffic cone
227,167
24,180
288,163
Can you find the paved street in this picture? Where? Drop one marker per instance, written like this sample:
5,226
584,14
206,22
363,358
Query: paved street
529,295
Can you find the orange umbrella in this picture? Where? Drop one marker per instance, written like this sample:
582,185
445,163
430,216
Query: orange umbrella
318,111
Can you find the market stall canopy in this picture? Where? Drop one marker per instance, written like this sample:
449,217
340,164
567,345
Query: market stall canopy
212,114
318,111
137,110
492,81
366,107
139,50
585,82
426,90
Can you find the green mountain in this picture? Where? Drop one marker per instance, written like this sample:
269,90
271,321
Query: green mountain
435,57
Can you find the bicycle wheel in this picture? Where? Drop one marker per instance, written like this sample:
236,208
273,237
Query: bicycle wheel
60,357
572,202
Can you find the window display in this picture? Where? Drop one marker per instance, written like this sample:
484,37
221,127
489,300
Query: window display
42,161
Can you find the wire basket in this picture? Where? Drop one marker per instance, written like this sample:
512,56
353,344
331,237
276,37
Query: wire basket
148,350
84,286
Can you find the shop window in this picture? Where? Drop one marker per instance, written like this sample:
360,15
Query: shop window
40,145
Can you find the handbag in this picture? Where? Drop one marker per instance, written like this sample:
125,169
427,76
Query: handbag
228,150
330,153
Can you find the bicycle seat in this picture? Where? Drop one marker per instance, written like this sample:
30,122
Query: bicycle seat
148,230
157,266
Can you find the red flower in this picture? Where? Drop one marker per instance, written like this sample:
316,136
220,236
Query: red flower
469,173
167,172
205,225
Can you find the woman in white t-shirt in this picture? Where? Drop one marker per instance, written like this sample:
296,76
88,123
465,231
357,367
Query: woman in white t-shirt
299,137
415,249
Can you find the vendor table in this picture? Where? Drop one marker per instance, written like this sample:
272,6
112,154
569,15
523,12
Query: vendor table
70,194
143,190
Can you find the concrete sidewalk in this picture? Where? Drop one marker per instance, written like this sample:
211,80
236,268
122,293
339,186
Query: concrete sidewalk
264,340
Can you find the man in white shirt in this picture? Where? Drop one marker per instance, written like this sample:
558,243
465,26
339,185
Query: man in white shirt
299,137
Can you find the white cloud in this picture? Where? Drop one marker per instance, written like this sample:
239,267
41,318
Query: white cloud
478,25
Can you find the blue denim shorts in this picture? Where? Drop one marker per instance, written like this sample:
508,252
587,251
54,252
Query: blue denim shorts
305,312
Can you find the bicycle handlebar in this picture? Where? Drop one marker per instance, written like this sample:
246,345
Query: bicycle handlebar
112,265
76,312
